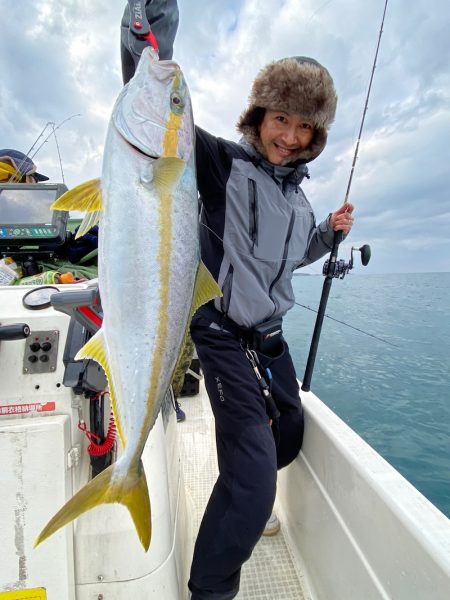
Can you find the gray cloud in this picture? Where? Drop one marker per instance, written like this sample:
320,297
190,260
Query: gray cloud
64,59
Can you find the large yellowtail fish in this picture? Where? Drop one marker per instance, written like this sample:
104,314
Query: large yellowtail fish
151,278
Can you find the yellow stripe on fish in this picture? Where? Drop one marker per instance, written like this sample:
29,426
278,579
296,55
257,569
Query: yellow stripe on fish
171,168
135,137
170,144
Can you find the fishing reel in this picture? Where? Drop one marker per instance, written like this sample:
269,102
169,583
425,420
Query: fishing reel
341,267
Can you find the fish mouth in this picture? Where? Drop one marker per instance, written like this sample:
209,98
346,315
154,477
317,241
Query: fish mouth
141,148
154,156
168,63
164,69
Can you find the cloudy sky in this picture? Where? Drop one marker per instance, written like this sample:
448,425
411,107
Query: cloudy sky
60,63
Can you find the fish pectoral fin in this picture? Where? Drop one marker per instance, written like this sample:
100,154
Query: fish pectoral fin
86,197
95,348
166,172
130,490
206,288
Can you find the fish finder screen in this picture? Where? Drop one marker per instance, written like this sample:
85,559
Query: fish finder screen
27,206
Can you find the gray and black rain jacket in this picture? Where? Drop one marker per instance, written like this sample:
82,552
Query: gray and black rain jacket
256,228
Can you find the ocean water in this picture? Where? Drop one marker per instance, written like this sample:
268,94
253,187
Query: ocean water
397,398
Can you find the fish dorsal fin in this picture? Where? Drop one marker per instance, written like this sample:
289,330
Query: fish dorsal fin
205,289
166,172
86,197
95,348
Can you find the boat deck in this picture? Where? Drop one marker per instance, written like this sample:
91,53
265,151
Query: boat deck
270,573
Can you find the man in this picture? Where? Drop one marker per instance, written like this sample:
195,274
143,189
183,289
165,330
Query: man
257,227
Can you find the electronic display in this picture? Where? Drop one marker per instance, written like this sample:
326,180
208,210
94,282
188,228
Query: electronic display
26,218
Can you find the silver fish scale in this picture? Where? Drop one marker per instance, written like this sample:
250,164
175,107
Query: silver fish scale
130,280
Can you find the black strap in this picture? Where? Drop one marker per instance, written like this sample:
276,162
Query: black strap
210,312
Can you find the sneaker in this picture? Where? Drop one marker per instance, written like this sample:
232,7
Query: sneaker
181,415
272,526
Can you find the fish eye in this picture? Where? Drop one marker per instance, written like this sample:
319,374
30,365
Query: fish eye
177,100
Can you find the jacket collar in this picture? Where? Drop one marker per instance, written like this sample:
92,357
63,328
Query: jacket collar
294,172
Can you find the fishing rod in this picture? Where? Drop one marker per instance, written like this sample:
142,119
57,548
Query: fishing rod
27,155
52,132
332,268
59,153
37,139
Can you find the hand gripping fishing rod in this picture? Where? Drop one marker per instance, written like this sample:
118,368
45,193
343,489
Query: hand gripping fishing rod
332,268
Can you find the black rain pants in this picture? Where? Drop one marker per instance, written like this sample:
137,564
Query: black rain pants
248,457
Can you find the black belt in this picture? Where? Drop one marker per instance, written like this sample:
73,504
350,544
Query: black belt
209,311
265,337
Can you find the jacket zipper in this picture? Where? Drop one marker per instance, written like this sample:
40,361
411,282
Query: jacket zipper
253,213
226,290
283,263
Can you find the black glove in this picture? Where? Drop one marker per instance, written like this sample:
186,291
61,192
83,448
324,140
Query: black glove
163,18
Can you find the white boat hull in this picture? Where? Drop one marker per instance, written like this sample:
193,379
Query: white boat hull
352,526
357,528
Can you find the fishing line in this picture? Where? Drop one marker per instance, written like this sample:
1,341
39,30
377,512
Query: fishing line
246,254
331,263
347,325
355,156
252,256
298,303
317,11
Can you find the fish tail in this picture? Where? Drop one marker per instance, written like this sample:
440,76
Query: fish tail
130,490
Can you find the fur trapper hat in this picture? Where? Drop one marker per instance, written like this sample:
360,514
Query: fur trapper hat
298,85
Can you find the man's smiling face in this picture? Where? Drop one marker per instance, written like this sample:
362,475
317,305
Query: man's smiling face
283,135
